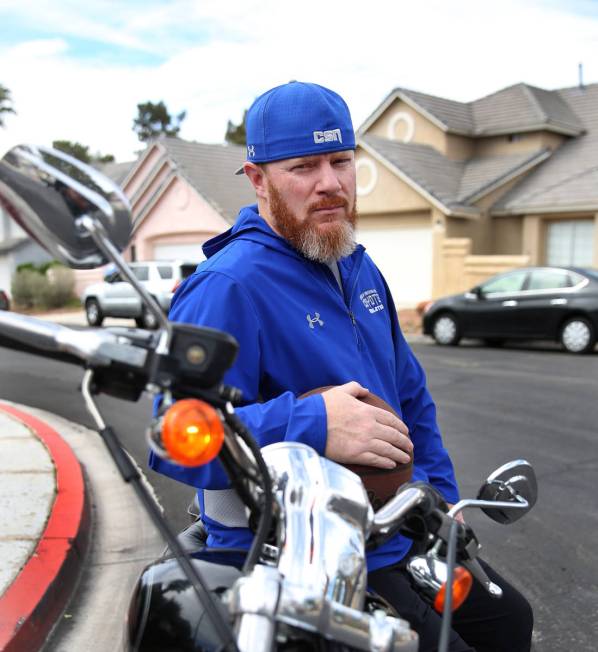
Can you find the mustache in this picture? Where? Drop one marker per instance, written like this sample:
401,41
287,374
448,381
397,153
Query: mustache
329,202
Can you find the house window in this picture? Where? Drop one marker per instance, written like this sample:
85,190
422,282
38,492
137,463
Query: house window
570,242
514,138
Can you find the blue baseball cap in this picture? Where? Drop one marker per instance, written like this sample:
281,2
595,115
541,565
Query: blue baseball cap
297,119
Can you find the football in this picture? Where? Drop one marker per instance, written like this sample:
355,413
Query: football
380,484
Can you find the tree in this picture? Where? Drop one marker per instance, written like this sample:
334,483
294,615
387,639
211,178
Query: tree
235,134
81,152
154,119
5,103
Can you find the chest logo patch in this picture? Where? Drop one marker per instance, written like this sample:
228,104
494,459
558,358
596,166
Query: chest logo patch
314,320
372,301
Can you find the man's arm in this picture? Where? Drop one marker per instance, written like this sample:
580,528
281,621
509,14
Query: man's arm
214,300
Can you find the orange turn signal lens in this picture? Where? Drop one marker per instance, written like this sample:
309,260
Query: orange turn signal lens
462,581
192,432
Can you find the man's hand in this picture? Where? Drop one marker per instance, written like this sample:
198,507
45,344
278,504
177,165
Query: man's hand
359,433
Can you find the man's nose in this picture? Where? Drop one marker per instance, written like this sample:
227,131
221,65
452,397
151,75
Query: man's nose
328,181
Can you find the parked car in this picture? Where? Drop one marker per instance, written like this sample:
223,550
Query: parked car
539,303
4,301
115,297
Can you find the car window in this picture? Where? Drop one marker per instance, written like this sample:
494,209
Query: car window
549,279
141,272
507,283
112,277
165,271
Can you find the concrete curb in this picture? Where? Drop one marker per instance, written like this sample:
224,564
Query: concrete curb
34,601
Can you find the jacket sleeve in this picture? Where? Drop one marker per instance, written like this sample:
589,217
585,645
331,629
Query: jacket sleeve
215,300
419,413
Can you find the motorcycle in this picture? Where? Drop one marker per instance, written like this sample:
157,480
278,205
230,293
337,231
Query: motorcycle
303,583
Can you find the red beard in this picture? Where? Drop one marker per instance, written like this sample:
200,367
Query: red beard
316,239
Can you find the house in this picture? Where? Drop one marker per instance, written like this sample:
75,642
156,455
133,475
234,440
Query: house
182,194
451,192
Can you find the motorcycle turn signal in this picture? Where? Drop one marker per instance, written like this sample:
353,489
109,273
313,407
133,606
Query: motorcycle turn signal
429,574
189,433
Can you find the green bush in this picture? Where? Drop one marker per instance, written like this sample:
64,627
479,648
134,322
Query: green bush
61,286
33,290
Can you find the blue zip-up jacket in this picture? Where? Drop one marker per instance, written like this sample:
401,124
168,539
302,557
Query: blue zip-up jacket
298,330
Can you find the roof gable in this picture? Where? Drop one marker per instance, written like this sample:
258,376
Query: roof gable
568,178
514,109
454,185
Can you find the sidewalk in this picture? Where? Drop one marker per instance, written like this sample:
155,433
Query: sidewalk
44,531
64,536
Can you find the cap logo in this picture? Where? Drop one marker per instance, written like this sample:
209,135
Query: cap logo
251,150
328,136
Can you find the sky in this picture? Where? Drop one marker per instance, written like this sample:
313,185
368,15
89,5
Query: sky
77,71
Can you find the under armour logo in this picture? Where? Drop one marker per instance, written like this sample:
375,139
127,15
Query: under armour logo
314,320
250,150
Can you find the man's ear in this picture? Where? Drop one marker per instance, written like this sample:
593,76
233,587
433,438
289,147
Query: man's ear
257,176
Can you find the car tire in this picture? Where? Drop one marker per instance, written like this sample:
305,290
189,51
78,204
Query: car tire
93,313
577,335
147,320
445,330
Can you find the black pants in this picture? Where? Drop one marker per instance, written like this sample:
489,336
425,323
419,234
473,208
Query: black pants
481,624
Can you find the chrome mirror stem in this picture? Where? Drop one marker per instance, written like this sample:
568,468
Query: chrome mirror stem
471,502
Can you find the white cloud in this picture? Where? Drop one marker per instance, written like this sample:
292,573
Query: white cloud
217,57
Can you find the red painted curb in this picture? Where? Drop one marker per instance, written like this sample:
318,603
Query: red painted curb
34,601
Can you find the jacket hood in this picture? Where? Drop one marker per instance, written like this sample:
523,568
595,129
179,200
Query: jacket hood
248,226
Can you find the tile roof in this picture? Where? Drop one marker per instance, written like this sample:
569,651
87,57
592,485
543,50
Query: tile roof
570,177
522,107
116,171
452,183
514,109
210,169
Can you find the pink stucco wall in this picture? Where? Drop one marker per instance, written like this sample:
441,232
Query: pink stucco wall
180,216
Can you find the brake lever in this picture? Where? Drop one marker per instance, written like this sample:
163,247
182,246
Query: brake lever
475,568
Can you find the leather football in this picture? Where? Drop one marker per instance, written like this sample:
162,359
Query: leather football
380,484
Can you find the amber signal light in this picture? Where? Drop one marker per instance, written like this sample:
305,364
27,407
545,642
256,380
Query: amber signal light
192,432
462,581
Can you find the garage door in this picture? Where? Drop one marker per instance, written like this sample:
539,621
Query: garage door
404,256
190,252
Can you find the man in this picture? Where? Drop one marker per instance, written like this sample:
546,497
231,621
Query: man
310,309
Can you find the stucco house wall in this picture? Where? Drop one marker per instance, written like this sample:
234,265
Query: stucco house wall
179,216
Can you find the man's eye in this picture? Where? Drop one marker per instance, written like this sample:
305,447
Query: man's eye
342,161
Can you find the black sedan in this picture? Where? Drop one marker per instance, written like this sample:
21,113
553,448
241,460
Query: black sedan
540,303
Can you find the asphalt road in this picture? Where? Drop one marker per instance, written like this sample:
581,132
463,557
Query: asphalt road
494,405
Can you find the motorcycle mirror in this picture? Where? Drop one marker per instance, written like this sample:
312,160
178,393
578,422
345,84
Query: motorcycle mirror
511,482
45,191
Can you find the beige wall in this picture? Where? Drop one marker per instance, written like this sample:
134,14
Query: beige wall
180,216
528,142
389,194
424,132
461,270
507,235
459,148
